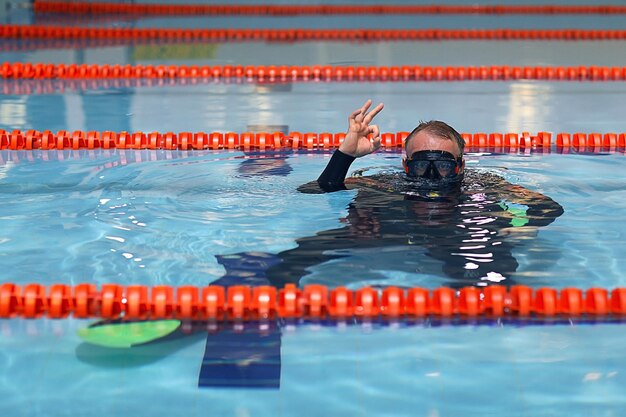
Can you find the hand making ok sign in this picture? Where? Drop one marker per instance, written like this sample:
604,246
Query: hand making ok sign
357,143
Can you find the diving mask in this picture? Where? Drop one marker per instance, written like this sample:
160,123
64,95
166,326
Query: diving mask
433,165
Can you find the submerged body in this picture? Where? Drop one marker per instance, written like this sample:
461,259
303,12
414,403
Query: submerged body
466,234
463,236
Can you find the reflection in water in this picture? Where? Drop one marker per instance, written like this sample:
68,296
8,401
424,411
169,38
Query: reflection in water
23,45
527,102
13,112
117,157
268,85
260,166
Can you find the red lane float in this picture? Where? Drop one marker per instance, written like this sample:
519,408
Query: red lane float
292,35
267,141
293,73
138,302
98,8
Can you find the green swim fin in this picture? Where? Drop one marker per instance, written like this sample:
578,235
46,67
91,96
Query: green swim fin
126,335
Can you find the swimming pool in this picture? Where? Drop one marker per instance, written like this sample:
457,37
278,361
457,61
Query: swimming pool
155,217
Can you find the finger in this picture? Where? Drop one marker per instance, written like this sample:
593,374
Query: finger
354,114
368,118
359,115
375,131
366,106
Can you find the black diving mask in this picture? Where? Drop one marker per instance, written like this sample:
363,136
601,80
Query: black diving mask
434,170
433,165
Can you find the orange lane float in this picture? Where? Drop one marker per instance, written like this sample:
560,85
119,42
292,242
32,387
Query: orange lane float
293,73
138,302
185,141
97,8
292,35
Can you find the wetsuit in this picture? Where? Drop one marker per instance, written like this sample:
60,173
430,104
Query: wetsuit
466,235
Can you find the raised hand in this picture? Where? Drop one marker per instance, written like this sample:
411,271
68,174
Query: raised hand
357,143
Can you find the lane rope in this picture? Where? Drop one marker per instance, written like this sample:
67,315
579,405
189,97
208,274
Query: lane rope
97,8
327,73
185,141
218,303
292,35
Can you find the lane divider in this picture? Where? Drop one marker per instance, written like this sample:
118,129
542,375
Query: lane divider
138,302
291,35
185,141
297,73
326,9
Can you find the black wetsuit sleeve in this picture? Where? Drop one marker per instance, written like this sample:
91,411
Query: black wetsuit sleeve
332,179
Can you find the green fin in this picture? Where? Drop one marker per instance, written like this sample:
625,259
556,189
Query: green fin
517,212
125,335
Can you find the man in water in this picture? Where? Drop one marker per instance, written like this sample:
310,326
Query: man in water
435,219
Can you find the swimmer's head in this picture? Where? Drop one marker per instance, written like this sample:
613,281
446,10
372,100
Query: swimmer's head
436,137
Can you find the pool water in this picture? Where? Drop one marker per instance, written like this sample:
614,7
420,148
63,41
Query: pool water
104,218
167,217
517,371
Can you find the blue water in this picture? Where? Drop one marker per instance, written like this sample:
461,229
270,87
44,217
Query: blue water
96,219
157,217
527,371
